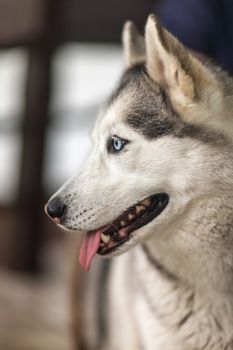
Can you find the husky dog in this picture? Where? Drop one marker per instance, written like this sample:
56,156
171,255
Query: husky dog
158,186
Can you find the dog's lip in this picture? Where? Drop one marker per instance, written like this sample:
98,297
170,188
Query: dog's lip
118,235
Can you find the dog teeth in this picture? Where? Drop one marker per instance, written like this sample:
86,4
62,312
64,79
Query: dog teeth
139,209
122,223
122,232
130,217
105,238
146,202
115,236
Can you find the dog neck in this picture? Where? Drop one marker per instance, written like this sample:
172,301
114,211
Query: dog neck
197,248
186,276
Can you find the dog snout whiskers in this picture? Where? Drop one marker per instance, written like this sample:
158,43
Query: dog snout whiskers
55,209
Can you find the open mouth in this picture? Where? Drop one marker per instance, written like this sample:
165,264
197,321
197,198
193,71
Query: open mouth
118,232
108,238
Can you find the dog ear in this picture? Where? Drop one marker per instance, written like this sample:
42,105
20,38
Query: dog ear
167,60
134,45
187,81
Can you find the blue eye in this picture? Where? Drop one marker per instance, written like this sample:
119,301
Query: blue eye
116,144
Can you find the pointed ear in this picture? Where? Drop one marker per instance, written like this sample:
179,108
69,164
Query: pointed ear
134,45
167,60
186,80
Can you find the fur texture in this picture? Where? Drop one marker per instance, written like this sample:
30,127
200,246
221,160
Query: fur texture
173,289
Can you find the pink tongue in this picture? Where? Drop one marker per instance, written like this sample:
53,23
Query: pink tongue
88,250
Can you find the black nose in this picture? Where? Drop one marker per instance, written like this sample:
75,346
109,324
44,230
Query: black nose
55,209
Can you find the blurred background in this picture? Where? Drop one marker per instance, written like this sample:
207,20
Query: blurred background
59,59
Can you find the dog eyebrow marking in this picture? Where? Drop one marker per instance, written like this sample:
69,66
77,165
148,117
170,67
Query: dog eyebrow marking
151,113
150,126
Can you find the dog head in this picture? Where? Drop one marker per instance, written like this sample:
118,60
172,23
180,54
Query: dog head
154,147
